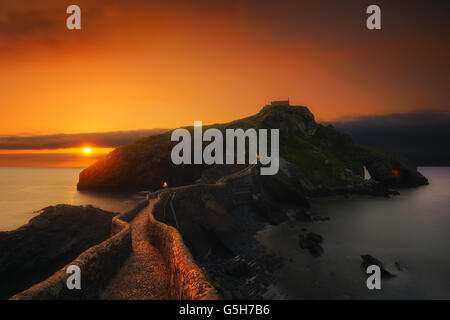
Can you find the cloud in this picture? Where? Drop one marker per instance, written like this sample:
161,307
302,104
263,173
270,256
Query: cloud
60,141
424,137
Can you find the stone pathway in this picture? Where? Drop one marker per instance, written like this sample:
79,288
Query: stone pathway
144,275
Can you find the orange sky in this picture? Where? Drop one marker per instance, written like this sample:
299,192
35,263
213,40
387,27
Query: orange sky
144,64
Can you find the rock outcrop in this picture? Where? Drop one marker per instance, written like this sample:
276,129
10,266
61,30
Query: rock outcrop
368,260
312,242
48,242
392,170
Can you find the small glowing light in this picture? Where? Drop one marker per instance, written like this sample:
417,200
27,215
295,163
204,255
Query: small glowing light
165,185
87,150
396,173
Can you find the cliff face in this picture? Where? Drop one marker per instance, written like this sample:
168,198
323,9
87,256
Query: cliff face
313,157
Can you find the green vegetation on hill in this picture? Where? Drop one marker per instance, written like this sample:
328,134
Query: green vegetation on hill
322,156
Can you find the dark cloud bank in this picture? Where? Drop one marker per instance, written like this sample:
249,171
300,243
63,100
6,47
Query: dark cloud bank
60,141
423,137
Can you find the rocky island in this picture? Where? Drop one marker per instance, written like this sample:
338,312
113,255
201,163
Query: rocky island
316,157
217,209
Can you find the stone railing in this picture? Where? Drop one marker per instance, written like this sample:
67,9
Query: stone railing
98,265
187,280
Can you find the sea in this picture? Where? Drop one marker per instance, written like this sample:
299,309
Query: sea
411,230
24,191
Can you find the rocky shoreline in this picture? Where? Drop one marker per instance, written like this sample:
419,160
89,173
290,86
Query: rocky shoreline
48,242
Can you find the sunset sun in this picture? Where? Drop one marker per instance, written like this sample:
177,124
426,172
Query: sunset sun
87,150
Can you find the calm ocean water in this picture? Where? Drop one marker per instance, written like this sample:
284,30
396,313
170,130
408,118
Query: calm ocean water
23,191
412,229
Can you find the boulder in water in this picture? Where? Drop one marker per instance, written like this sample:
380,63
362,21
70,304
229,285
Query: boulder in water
369,260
